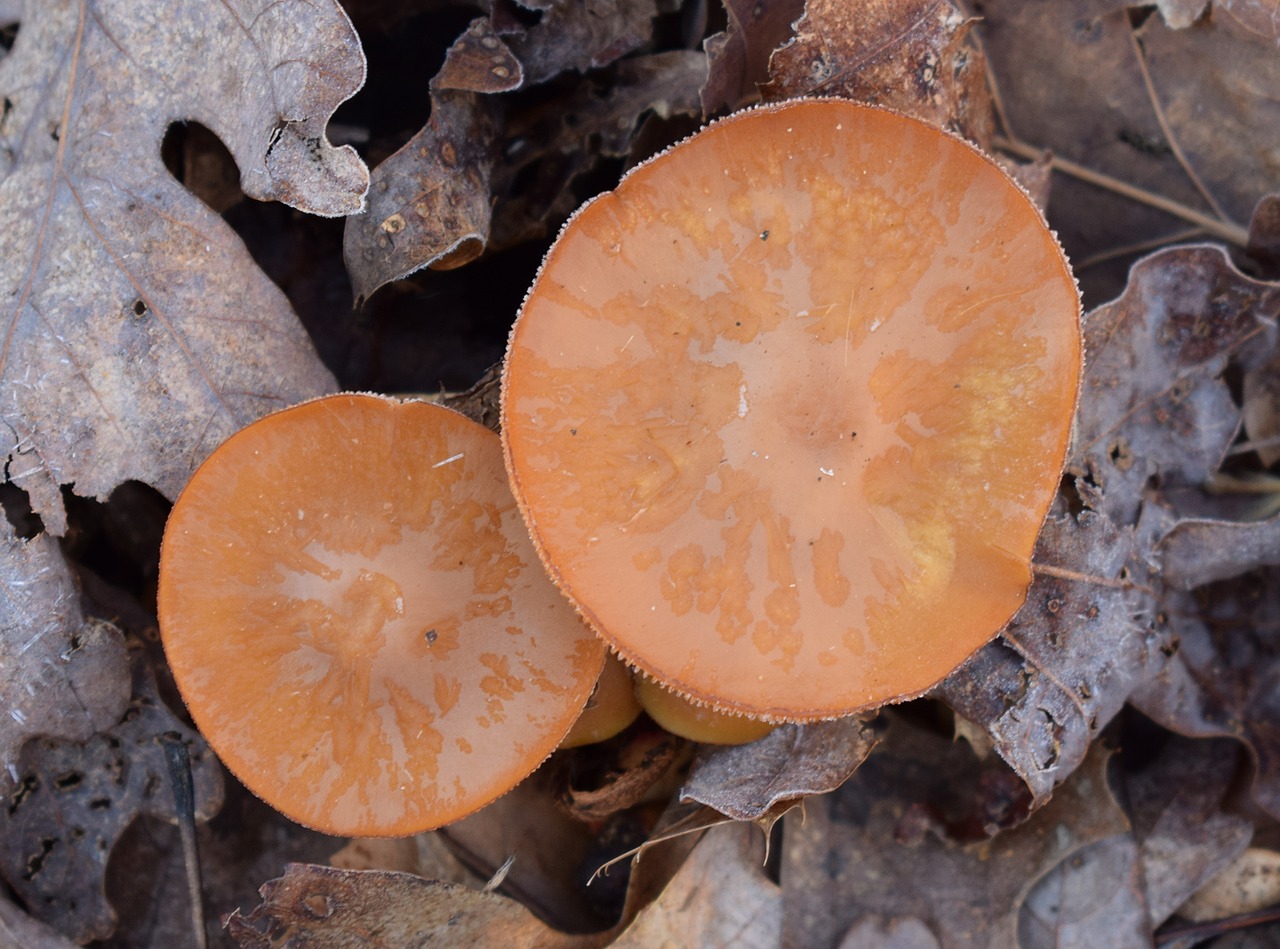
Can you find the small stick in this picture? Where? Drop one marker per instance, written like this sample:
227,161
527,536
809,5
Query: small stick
184,806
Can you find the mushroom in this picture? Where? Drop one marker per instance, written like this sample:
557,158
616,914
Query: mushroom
611,708
358,623
695,722
785,411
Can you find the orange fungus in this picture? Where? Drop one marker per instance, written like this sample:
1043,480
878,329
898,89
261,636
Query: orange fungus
785,411
358,623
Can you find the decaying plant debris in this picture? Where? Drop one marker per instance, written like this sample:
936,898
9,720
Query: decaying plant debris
194,196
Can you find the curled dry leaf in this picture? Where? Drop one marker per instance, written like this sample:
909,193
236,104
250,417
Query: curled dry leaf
892,842
747,782
74,800
61,675
1068,660
429,205
913,57
1224,677
1154,404
19,929
313,906
137,331
576,37
1250,882
738,57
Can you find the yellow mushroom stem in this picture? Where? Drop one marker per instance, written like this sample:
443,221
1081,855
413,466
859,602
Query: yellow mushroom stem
611,708
695,722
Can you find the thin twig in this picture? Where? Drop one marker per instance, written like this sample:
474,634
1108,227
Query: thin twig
1231,233
1169,137
178,763
1062,573
1138,247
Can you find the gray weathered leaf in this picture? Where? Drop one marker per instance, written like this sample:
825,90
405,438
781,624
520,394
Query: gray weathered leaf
137,333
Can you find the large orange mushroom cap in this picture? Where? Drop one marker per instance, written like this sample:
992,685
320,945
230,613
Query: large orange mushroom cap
785,411
358,623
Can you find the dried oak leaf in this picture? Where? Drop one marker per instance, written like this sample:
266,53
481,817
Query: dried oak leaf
314,907
747,782
1068,660
890,844
1154,404
20,931
738,57
137,332
719,897
61,675
73,800
912,56
1224,680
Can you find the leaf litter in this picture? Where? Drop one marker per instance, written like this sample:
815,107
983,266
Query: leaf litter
144,332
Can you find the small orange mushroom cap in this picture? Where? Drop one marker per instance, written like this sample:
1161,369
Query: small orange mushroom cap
786,410
358,623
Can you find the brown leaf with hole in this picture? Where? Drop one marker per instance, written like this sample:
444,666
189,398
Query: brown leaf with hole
324,908
1154,404
903,840
61,675
73,800
1223,679
738,56
137,331
792,762
1068,660
910,56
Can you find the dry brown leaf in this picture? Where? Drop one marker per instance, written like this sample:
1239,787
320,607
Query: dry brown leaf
578,37
1094,898
429,205
1068,660
719,897
1251,882
20,931
747,782
61,675
138,332
895,842
314,907
1176,803
478,61
1070,78
738,57
73,800
911,56
1224,678
1154,404
551,851
555,143
1215,83
1196,551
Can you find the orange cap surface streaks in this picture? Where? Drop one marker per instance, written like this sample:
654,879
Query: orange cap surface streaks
786,410
358,623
